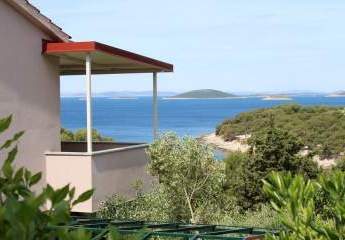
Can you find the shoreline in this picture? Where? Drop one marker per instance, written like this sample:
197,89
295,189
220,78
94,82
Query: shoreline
219,143
238,145
276,99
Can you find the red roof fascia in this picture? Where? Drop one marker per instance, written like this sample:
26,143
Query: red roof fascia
55,48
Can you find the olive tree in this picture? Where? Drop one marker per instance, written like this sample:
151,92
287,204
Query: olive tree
190,175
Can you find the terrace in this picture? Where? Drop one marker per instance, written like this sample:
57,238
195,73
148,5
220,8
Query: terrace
90,164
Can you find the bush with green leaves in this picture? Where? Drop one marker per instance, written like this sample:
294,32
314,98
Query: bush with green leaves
263,216
156,206
234,167
294,199
194,187
80,136
191,184
28,215
271,149
150,206
340,164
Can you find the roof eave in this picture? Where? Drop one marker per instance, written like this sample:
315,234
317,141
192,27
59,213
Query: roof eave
92,46
41,21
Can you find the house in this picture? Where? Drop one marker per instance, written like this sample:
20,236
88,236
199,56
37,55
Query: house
34,54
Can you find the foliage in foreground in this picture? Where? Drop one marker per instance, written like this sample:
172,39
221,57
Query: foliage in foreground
296,201
26,215
80,136
272,149
151,206
319,127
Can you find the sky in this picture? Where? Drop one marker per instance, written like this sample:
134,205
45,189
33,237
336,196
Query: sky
230,45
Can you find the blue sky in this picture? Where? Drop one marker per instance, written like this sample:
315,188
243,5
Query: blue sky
246,45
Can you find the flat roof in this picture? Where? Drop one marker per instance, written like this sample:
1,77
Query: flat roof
105,59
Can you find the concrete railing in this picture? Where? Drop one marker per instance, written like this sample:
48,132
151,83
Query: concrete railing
111,168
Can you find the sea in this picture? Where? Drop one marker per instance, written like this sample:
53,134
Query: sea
130,119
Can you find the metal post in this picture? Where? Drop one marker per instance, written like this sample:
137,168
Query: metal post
154,107
88,104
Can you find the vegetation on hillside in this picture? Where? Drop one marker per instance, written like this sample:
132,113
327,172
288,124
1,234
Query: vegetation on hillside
271,149
320,128
80,136
204,93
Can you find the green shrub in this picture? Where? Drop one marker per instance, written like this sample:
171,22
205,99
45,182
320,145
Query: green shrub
152,206
294,197
263,217
192,187
234,166
156,206
80,136
272,149
340,164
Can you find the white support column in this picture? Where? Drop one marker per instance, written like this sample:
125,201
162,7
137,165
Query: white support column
154,107
88,104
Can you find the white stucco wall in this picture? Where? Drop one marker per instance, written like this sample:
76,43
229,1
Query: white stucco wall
107,172
115,173
75,170
29,89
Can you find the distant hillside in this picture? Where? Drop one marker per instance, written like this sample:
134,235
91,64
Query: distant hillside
204,93
319,127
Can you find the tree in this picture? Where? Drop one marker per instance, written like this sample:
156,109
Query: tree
234,165
272,149
190,175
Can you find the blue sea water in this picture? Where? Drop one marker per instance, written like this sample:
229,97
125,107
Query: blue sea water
130,120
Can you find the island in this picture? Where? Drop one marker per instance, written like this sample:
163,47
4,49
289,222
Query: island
337,94
277,98
203,94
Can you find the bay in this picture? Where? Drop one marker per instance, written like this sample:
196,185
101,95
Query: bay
130,120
